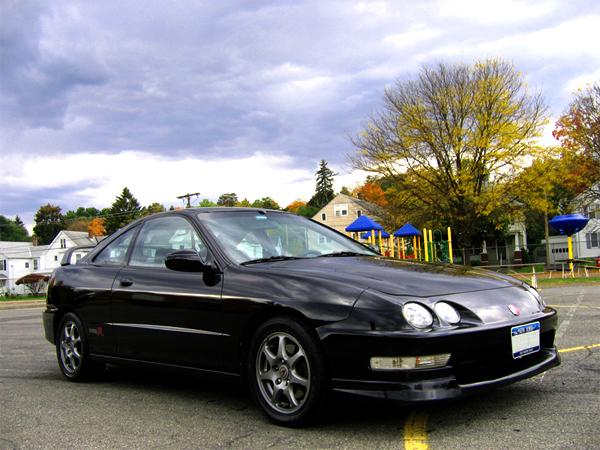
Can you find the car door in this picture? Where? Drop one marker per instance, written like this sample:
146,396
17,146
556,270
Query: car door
91,291
164,315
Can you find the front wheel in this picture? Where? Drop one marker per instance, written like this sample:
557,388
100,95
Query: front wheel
286,372
72,351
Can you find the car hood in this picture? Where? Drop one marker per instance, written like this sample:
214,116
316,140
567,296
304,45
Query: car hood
395,277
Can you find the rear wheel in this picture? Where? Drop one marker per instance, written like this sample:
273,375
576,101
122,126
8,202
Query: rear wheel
286,372
72,350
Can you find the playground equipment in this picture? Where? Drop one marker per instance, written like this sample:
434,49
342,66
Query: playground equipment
436,249
407,231
569,224
365,223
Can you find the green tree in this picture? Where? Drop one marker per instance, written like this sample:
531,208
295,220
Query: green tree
227,200
324,186
153,208
49,221
345,191
452,140
244,203
307,211
125,209
265,203
87,212
206,203
13,230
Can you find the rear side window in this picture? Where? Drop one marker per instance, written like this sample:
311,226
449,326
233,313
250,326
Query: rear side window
114,254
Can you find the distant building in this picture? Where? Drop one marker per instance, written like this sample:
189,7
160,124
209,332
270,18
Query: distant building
22,258
343,209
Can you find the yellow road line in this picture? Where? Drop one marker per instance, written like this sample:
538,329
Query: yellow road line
581,347
575,306
415,432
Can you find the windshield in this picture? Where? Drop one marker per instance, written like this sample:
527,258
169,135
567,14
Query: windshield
257,236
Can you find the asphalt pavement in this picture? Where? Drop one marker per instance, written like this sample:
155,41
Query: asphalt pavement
129,408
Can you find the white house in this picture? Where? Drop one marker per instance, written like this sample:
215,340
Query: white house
18,259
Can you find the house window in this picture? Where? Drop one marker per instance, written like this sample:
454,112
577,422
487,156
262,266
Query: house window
55,257
63,243
340,210
27,265
77,256
35,264
358,213
323,217
3,264
591,240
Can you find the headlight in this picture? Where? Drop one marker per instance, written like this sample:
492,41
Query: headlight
447,313
417,315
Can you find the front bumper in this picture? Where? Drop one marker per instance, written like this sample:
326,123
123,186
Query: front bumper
440,388
481,358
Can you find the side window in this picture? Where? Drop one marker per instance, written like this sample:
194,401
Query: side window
162,236
116,252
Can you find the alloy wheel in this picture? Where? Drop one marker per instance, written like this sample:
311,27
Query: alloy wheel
70,347
283,372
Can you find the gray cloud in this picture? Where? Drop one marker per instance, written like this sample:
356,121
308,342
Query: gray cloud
230,78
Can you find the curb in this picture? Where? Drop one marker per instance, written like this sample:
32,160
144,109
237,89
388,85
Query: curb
19,304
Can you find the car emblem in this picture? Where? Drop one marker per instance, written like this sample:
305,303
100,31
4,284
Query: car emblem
513,309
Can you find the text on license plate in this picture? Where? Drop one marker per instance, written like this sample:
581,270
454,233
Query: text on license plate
525,339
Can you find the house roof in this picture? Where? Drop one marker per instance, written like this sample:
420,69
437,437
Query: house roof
82,237
24,252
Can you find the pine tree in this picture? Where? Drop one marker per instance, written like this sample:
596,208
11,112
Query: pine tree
324,186
125,209
49,221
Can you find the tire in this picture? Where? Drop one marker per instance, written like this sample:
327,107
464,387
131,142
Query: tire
72,350
286,372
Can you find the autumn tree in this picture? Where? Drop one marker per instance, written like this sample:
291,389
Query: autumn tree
124,209
578,131
230,199
49,221
96,227
294,206
324,186
372,192
450,139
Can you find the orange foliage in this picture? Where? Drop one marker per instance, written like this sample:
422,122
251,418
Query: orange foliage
371,192
96,227
295,206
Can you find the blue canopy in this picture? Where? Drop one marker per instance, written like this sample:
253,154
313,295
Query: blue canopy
364,223
407,230
569,223
384,234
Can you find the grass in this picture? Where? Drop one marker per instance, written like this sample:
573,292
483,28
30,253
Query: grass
17,298
549,282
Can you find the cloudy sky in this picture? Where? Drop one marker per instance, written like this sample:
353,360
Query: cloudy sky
239,96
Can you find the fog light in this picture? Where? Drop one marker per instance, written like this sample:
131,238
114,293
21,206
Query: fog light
409,362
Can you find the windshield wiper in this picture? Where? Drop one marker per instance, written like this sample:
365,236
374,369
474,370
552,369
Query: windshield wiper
345,253
271,258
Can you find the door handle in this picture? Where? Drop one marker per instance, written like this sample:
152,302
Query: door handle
126,282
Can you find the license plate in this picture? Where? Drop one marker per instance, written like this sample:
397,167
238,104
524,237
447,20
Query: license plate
525,339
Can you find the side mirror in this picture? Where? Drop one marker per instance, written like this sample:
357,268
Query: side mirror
185,261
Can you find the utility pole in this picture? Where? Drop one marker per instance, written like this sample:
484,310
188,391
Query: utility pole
187,197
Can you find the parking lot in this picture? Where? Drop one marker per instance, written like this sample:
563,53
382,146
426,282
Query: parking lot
135,409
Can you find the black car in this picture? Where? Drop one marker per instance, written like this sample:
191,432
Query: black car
294,308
